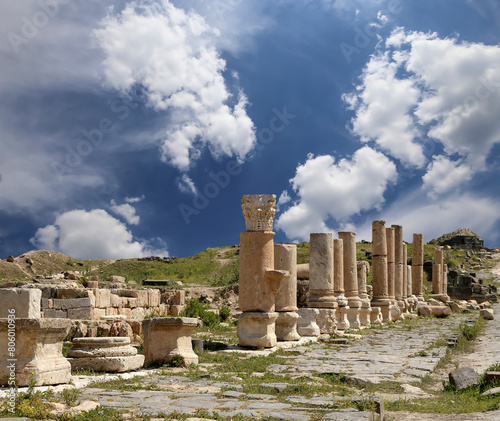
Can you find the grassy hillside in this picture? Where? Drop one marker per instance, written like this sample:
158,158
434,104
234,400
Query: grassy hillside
213,267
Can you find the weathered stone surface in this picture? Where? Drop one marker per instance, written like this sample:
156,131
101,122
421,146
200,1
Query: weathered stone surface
108,364
303,271
321,271
338,271
437,279
154,296
23,302
326,320
257,329
286,326
306,325
463,378
457,307
38,351
379,242
54,314
436,311
116,279
70,303
82,313
102,298
350,269
258,211
285,258
104,354
257,292
165,337
487,313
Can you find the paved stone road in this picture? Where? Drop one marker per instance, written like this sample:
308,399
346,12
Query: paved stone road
403,352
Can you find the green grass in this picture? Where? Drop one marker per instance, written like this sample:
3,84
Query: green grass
203,268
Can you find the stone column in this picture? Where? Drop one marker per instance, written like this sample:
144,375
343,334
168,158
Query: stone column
285,258
412,300
259,280
405,279
418,266
363,269
445,279
321,293
399,265
351,278
391,264
338,284
437,278
379,263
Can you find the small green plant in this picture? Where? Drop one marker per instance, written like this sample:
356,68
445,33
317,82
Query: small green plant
177,361
70,396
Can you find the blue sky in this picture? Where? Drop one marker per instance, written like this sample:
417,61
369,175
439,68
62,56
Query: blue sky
133,128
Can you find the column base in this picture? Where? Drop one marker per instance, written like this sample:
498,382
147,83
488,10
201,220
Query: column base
365,316
38,352
353,317
326,320
257,329
376,316
341,316
286,326
306,325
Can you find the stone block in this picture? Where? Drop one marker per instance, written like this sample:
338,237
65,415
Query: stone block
111,311
306,325
436,311
91,295
59,304
102,298
179,298
104,354
108,364
165,337
97,313
65,293
487,313
326,320
257,329
175,310
457,307
153,297
115,300
136,326
38,351
492,376
23,302
46,303
80,313
463,378
164,309
116,279
138,313
54,314
125,311
129,302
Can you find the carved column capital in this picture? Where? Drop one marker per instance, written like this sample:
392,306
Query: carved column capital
258,211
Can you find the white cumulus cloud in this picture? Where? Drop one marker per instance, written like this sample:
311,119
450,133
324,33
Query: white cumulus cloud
443,175
330,190
91,234
127,212
419,86
172,54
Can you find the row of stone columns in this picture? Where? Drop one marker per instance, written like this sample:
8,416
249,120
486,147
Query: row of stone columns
396,286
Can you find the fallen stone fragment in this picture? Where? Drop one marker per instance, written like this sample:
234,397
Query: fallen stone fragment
487,314
463,378
494,391
436,311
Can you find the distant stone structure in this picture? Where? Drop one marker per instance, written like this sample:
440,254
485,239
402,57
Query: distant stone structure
462,238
